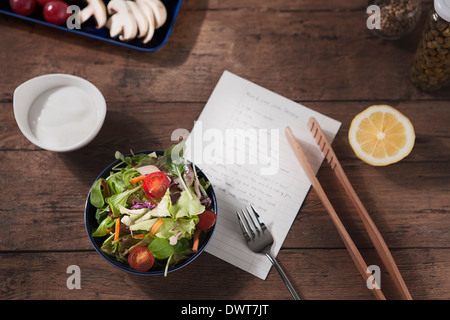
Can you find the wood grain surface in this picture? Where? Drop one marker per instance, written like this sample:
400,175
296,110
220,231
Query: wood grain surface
318,53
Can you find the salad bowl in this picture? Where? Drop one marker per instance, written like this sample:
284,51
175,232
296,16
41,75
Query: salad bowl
91,224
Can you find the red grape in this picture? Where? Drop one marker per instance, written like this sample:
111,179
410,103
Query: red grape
43,2
55,12
23,7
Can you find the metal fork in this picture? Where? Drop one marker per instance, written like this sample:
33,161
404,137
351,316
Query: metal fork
260,240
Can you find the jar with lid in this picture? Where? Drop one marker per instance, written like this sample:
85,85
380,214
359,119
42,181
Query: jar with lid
397,17
430,70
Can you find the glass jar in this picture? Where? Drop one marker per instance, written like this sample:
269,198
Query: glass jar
430,70
397,17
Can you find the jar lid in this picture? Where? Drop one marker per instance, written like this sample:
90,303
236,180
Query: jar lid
442,8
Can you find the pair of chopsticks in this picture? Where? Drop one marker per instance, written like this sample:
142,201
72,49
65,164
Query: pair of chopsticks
374,234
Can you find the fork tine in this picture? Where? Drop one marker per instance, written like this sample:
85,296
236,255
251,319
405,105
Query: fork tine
249,225
243,224
261,223
252,217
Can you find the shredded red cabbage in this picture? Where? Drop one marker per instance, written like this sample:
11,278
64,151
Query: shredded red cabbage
206,202
179,222
143,204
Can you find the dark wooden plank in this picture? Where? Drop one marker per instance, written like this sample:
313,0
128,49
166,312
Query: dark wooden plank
150,123
315,273
277,5
303,55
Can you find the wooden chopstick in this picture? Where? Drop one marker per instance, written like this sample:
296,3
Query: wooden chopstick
349,244
375,236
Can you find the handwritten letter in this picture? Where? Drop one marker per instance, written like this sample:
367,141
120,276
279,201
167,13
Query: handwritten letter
239,143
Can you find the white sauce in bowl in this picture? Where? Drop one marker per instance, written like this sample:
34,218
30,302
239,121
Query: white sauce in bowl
62,116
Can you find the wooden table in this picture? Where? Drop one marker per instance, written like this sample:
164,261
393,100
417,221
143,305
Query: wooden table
318,53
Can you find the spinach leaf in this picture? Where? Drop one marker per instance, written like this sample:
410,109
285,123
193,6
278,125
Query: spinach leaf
119,156
117,183
96,197
136,160
101,214
182,247
102,229
143,159
161,248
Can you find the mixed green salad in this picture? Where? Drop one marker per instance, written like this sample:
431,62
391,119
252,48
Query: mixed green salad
153,210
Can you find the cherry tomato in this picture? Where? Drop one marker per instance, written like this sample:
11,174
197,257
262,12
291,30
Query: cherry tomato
141,259
156,184
55,12
23,7
206,220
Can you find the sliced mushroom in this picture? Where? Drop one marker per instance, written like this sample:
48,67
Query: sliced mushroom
141,20
148,13
147,169
122,22
159,11
94,8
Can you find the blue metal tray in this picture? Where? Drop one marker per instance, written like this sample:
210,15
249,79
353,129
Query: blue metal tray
88,28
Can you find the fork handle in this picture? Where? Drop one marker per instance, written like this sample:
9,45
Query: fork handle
283,276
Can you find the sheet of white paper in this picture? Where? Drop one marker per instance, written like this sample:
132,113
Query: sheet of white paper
242,118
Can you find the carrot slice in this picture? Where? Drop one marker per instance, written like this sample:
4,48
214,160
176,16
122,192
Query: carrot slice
139,236
156,226
196,240
137,179
116,234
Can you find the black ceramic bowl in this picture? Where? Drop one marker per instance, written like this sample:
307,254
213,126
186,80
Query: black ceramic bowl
91,224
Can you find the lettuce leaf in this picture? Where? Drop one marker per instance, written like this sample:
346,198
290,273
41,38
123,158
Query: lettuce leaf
186,207
131,215
169,228
144,225
112,247
162,209
172,227
120,199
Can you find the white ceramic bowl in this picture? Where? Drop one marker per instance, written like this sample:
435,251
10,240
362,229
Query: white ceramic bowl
59,112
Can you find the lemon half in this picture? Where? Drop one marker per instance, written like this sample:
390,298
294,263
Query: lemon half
381,135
